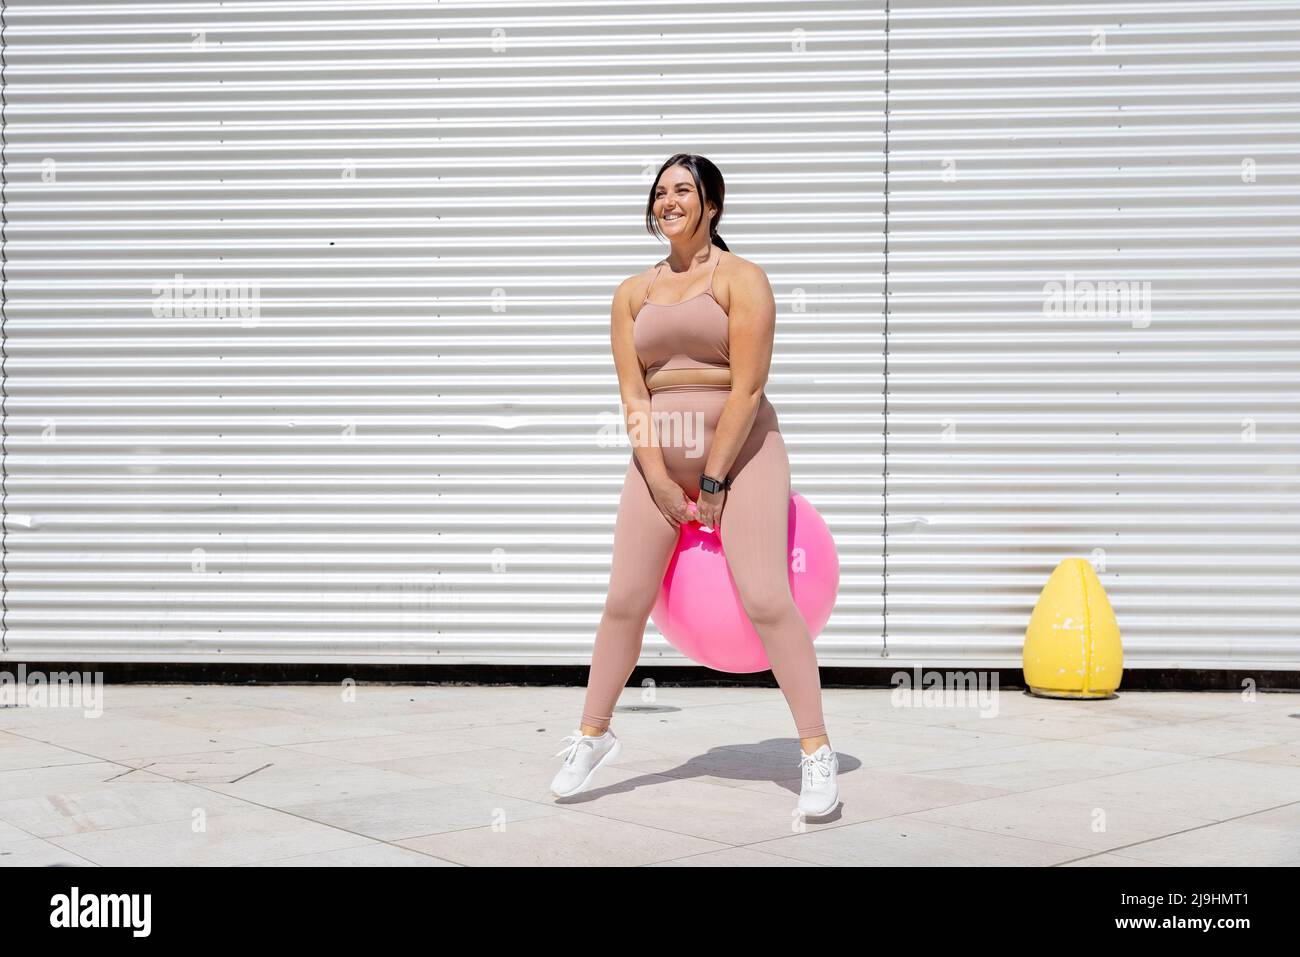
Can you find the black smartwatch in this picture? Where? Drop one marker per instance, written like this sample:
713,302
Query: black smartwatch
710,484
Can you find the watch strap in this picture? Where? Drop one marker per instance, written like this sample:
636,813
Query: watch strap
714,484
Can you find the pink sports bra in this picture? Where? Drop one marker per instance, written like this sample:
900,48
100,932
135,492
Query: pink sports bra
691,334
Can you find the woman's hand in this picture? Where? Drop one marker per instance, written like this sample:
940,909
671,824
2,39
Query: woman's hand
671,500
708,507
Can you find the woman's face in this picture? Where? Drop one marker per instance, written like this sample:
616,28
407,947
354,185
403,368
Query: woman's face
677,203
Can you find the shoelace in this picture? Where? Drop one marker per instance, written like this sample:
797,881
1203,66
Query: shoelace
571,749
811,766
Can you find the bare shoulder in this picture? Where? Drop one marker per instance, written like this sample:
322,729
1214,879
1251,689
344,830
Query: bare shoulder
730,260
738,274
633,287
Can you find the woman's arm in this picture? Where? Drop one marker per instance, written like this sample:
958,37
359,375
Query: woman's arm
632,387
751,328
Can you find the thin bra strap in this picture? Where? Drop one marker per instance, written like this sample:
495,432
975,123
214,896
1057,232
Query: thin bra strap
712,271
652,282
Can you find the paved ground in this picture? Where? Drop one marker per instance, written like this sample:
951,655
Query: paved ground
459,776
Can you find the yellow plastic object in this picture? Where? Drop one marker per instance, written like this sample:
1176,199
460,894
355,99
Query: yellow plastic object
1072,645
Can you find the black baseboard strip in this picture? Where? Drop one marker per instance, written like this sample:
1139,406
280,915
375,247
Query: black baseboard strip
253,673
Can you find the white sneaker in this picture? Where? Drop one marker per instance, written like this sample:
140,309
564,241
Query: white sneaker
820,792
582,757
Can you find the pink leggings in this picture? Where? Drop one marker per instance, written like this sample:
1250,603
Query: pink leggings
753,529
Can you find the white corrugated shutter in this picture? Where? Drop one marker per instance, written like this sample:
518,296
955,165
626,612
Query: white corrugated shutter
402,454
1093,337
385,437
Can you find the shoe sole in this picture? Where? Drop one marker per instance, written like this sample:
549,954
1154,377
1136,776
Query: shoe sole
612,753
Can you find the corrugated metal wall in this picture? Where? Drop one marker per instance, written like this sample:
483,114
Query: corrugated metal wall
388,436
1093,337
393,434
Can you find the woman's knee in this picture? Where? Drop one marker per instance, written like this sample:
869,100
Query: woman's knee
631,603
767,604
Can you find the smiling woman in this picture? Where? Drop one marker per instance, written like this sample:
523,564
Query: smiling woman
698,353
682,339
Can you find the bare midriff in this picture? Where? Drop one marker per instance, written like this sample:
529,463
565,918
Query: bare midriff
658,379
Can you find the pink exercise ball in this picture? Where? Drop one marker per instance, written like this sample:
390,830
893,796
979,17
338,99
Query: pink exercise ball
700,612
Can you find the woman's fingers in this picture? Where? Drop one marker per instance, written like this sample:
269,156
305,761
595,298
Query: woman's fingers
709,515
